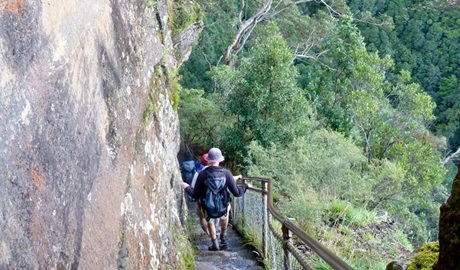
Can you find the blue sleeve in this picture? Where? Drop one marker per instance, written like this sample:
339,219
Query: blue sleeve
198,166
236,190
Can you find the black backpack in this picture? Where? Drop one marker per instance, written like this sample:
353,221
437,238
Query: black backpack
215,201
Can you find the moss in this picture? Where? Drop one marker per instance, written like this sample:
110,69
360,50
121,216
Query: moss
151,108
183,239
425,258
161,79
183,14
185,251
175,88
152,3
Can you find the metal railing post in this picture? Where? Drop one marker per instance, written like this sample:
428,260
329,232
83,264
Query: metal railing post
272,251
265,219
287,254
270,201
243,206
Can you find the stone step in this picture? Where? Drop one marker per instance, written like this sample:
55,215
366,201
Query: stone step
236,256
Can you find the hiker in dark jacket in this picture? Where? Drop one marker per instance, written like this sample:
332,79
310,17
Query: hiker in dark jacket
199,192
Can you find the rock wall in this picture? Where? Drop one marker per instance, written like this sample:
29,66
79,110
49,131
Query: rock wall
449,230
89,135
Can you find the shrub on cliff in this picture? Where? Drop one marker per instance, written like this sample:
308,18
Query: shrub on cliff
425,258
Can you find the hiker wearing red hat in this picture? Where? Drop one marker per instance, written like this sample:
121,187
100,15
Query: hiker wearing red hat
199,209
204,162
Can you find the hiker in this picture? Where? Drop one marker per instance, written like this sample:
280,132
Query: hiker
221,181
204,165
199,207
188,168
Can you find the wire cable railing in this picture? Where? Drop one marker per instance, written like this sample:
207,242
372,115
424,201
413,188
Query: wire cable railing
274,234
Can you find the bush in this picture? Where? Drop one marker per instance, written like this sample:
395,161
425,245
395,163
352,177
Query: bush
425,258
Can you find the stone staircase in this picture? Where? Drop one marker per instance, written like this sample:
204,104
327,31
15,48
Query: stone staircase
236,256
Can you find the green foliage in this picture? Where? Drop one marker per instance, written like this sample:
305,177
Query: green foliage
314,171
448,123
404,154
225,79
253,238
267,99
344,73
215,37
264,97
152,3
175,88
155,84
389,178
185,251
150,110
342,212
322,159
183,14
202,122
425,258
424,41
360,155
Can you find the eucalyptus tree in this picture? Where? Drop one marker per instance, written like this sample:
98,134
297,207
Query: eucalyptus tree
331,78
202,122
226,34
448,122
423,41
388,119
265,98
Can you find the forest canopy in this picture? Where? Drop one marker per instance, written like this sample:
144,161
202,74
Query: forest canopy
350,106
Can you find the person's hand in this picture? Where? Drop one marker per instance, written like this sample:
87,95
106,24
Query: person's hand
184,185
249,185
237,177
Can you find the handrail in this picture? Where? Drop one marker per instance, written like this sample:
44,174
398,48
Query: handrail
330,258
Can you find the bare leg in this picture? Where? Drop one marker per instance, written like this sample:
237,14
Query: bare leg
204,225
223,230
212,234
203,222
223,223
212,229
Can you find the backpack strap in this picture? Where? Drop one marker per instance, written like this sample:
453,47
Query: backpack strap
195,176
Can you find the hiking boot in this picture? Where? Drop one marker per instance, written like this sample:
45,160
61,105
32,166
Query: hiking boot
213,248
223,245
223,242
214,245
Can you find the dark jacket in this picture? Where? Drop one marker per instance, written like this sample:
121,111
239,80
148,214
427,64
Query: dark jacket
200,187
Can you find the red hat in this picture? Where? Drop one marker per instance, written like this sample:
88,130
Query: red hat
203,159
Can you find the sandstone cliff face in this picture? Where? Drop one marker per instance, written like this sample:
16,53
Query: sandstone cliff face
449,230
88,134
